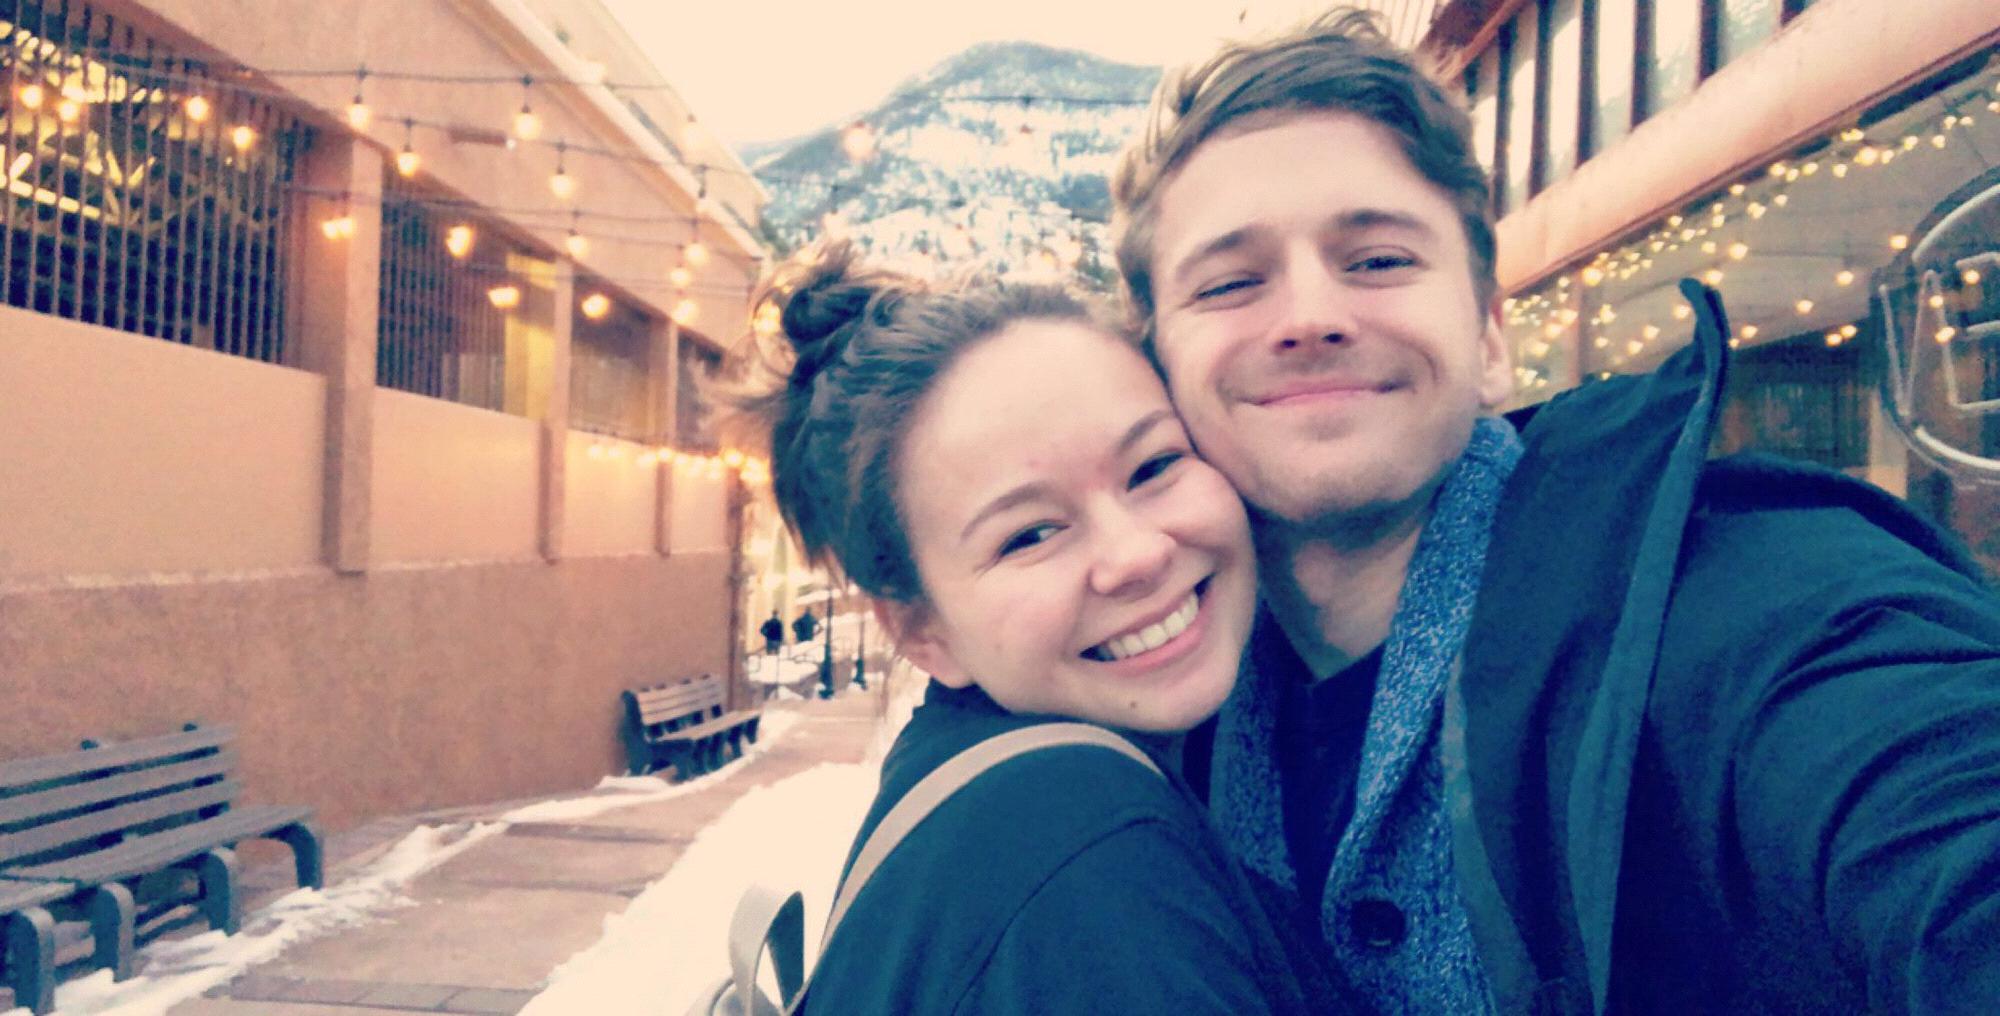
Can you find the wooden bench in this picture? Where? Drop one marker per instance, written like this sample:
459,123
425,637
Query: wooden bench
93,834
683,724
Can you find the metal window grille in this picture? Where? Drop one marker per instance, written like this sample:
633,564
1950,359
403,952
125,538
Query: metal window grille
694,425
609,367
138,194
446,294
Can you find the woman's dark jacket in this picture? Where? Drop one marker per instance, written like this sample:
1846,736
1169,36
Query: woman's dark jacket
1727,733
1069,880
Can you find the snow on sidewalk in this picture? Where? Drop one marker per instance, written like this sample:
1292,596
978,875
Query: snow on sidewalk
671,943
179,969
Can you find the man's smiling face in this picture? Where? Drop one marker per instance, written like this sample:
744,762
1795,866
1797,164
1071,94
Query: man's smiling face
1317,316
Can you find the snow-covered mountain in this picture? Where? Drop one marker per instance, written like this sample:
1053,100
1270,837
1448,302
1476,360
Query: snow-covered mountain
996,159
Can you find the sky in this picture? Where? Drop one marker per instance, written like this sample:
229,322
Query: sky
759,71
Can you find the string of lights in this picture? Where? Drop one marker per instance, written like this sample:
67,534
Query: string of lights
1707,225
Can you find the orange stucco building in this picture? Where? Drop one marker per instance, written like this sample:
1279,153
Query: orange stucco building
371,432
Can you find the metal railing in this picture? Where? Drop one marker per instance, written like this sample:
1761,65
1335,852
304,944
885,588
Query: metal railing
447,290
610,357
139,195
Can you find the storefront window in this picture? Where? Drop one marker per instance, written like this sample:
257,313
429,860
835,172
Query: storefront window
1519,42
1565,83
1744,25
1675,64
1617,35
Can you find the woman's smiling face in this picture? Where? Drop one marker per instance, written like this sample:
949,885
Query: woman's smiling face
1077,558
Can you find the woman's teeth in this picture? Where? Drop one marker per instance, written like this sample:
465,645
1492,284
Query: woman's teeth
1153,636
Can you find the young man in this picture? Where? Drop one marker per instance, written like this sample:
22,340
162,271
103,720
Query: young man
1563,721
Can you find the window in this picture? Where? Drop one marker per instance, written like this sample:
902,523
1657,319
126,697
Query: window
1675,63
139,194
1484,79
1563,22
1518,50
1742,25
1615,44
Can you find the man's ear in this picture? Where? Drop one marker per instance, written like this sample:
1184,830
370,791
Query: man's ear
919,638
1496,361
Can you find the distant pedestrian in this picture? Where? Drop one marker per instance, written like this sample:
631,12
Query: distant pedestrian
773,631
804,627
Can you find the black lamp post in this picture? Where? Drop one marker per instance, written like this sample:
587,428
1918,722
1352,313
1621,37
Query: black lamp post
826,659
861,655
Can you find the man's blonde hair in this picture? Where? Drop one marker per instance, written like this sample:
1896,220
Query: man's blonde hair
1338,62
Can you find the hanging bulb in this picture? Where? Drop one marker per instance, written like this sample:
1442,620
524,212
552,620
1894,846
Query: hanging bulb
1803,306
458,240
684,311
680,277
1844,277
562,185
505,297
1747,332
197,108
1899,242
358,114
1738,251
341,228
407,160
596,305
243,136
527,126
695,254
576,244
1713,276
32,96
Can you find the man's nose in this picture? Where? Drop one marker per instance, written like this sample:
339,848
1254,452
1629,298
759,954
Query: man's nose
1132,555
1313,306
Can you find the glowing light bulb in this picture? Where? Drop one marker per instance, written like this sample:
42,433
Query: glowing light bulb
562,185
32,96
408,162
1899,242
458,240
68,110
1593,275
1848,331
1681,312
685,311
732,458
340,228
577,245
1946,334
359,115
505,297
197,108
1747,332
1971,276
596,305
1839,169
527,126
1844,277
243,136
1867,157
1936,301
1713,276
1651,332
1833,339
1738,251
680,277
695,254
1803,306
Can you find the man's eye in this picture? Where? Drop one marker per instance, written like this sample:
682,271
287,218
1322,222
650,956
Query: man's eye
1026,538
1155,466
1224,288
1382,263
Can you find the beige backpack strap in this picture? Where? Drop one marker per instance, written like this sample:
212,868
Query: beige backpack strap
773,918
945,781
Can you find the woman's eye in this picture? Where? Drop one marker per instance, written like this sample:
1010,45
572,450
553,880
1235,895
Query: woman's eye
1026,538
1155,466
1224,288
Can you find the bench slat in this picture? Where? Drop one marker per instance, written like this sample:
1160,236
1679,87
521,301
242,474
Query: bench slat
37,839
679,699
167,847
712,727
84,793
42,768
18,895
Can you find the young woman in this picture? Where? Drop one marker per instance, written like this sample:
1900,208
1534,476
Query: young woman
1004,476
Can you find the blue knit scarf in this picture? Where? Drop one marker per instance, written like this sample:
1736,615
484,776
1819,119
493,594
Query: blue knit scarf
1397,847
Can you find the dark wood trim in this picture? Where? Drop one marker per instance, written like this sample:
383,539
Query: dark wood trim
1503,116
1538,159
1642,62
1586,92
1711,41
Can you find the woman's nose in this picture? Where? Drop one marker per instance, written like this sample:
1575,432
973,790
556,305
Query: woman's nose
1132,558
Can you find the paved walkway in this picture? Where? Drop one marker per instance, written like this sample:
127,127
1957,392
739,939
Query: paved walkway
490,924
